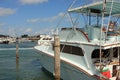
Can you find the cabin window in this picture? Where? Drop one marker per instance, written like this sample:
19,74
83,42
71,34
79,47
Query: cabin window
95,54
71,50
105,53
47,38
116,52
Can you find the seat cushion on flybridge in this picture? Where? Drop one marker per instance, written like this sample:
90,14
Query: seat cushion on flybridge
98,7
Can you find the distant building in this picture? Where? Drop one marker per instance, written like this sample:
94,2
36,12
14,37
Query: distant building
34,38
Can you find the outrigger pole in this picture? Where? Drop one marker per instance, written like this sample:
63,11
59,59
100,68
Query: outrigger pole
104,7
109,20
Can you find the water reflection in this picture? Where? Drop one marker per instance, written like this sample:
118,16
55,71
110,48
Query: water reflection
17,68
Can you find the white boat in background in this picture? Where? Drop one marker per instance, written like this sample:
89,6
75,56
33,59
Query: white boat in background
3,41
7,40
44,40
91,51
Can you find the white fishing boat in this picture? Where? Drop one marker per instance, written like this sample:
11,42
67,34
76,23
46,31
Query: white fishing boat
89,52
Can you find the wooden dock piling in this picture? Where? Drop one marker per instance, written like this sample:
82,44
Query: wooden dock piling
57,57
17,57
17,48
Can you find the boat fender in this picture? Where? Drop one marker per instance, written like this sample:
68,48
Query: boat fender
105,71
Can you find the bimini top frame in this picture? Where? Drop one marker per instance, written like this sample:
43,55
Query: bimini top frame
97,8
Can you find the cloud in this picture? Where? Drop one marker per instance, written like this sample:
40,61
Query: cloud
32,1
49,19
6,11
54,18
2,24
28,30
46,30
33,20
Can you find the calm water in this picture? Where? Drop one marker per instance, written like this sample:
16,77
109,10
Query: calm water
27,67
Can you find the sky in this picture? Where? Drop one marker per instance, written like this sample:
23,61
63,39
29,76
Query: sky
32,17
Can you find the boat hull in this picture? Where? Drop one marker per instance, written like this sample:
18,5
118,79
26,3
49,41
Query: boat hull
68,71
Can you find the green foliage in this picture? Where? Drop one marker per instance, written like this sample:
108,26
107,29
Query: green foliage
24,36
